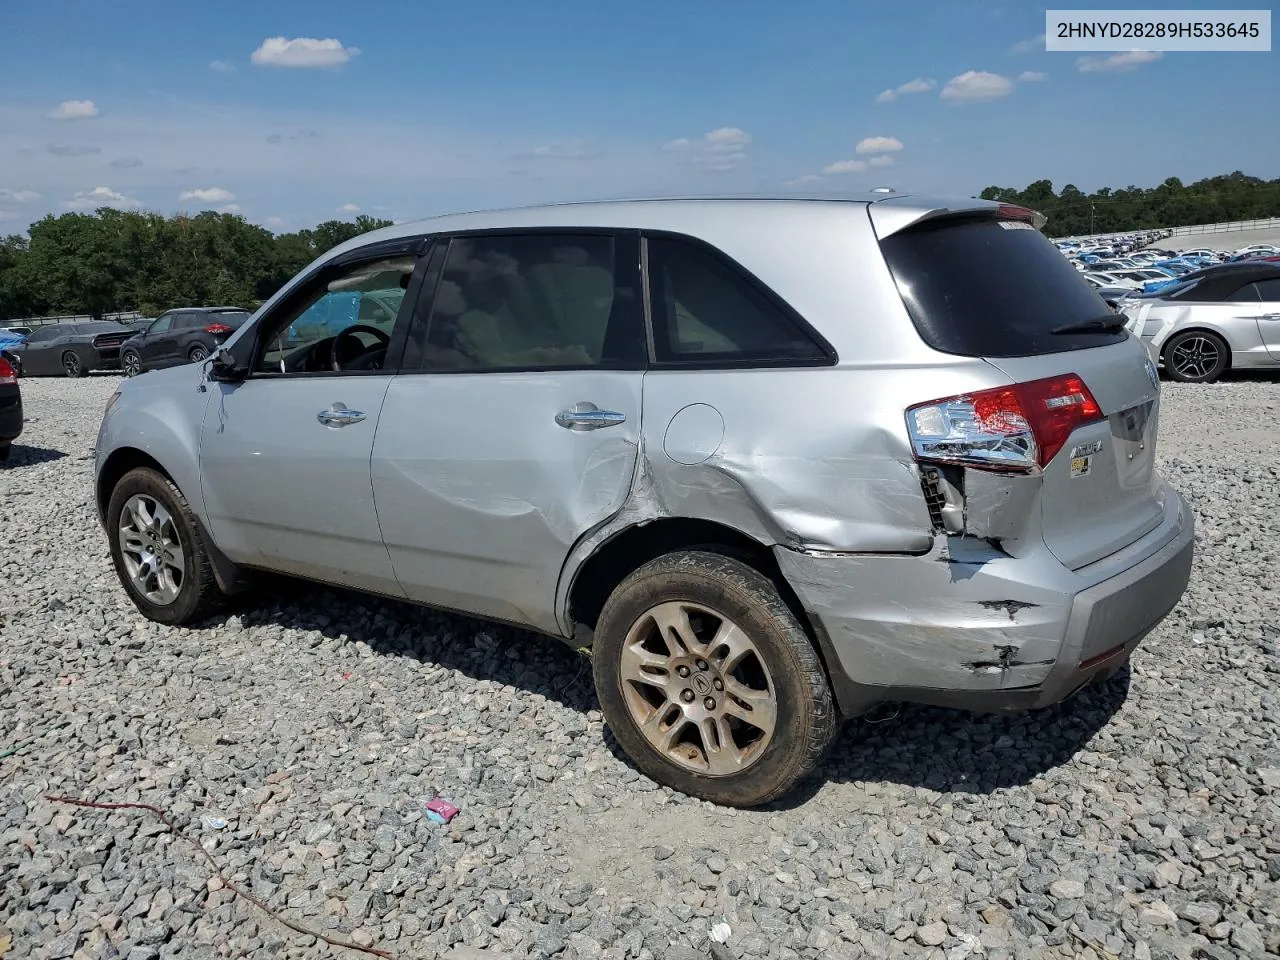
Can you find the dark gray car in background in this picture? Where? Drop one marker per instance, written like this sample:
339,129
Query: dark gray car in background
185,335
72,349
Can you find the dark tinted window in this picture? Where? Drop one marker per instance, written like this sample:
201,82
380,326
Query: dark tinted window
992,288
1269,290
533,301
162,325
1245,294
43,333
232,318
706,310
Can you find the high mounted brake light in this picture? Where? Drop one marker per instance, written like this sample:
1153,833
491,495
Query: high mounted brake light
1018,428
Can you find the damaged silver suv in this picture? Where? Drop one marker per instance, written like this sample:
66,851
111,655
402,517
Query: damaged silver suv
772,461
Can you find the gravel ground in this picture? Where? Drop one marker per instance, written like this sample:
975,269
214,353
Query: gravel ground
1140,820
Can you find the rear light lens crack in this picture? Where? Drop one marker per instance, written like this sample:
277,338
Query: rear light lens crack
1018,428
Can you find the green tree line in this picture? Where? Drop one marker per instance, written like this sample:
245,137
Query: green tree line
112,260
1072,212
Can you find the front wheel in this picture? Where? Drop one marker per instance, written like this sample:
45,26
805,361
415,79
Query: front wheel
709,683
131,363
158,549
1196,356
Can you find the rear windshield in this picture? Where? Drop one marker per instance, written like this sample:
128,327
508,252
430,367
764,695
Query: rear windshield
992,288
231,318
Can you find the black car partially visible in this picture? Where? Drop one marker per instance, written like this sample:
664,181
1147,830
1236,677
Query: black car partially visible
10,407
73,349
181,335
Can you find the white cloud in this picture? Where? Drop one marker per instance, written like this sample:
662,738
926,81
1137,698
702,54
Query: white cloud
1032,76
1030,45
918,85
207,195
880,161
222,66
100,197
228,208
878,145
1129,60
719,150
75,110
976,85
563,150
302,52
845,166
72,149
348,208
18,196
273,223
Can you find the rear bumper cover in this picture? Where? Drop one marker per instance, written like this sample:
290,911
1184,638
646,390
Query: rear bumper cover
970,627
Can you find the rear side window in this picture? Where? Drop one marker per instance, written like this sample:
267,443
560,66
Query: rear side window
1269,290
705,310
992,288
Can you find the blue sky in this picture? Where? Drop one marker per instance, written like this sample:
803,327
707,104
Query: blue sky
407,109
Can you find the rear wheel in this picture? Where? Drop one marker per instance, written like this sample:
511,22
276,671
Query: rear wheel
708,682
72,365
158,549
1196,356
131,363
197,353
4,451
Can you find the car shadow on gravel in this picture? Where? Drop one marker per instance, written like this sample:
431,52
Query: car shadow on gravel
21,455
948,751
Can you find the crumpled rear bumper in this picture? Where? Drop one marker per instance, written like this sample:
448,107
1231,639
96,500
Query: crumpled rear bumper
970,627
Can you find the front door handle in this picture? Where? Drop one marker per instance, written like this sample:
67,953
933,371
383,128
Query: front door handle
587,416
339,415
1270,316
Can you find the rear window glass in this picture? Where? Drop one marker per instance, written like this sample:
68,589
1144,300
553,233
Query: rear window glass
992,288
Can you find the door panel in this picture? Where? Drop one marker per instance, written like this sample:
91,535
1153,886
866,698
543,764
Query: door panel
289,493
481,493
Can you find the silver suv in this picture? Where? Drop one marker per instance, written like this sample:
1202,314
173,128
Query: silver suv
772,461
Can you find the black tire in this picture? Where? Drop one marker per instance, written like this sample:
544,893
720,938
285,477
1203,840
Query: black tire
198,595
131,363
1186,356
197,354
73,366
806,718
4,451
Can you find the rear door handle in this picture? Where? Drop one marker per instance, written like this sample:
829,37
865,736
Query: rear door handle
1270,316
339,415
587,416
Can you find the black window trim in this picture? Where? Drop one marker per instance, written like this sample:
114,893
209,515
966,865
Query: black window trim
248,348
626,264
829,357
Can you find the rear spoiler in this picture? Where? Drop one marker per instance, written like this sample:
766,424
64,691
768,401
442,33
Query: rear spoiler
893,214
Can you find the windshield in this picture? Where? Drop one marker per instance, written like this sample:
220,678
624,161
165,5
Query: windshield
992,288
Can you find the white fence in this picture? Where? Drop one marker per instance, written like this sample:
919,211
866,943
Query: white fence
1233,226
43,321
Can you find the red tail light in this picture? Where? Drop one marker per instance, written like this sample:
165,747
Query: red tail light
1019,427
218,328
7,374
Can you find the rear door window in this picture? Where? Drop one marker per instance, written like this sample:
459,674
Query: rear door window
992,288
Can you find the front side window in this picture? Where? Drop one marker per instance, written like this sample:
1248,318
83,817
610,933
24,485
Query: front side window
342,324
162,325
535,301
705,311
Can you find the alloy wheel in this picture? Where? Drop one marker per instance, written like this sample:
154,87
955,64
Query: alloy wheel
1195,357
132,364
71,364
198,354
151,549
698,689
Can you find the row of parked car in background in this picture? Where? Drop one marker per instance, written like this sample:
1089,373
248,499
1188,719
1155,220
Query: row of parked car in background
1199,312
185,335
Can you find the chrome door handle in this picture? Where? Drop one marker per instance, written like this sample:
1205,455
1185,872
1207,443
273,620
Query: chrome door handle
339,416
1270,316
587,416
